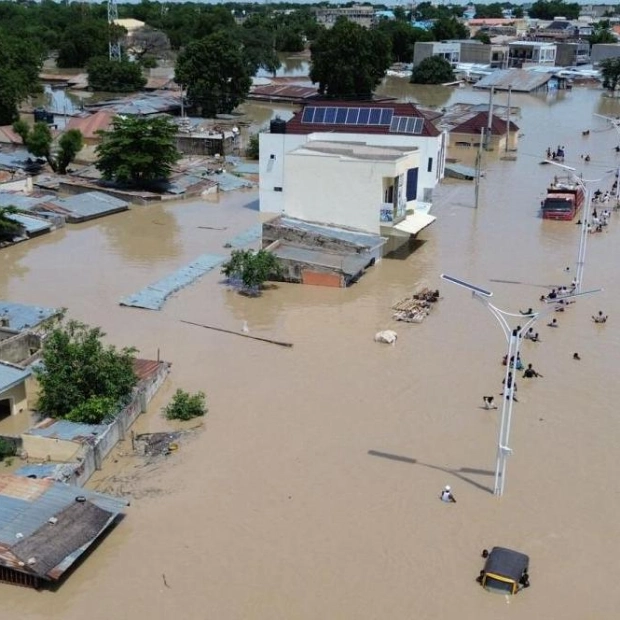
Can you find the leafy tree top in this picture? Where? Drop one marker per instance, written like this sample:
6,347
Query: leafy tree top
432,70
349,61
138,150
77,367
544,9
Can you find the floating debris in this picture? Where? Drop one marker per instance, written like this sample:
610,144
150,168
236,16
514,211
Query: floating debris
416,308
155,444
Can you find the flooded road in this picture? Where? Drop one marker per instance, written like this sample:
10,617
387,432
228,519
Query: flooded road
313,489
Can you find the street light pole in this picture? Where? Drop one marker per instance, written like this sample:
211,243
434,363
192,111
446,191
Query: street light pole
513,337
583,236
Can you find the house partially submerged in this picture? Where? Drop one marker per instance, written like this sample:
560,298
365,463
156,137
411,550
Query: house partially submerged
46,526
12,389
494,132
523,81
81,448
313,253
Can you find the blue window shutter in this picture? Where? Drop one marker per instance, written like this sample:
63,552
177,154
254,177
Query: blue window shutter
412,184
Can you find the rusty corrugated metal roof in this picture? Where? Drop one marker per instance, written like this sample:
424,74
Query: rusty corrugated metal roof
145,368
518,80
91,124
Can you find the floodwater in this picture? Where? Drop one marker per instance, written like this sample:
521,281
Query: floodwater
312,490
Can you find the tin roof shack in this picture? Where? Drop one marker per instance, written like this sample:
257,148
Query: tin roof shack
19,317
88,206
46,526
521,81
468,132
196,138
13,398
314,253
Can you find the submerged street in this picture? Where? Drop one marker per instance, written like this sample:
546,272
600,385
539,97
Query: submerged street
313,489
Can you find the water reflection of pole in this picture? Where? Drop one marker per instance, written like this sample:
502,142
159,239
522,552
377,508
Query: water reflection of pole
514,337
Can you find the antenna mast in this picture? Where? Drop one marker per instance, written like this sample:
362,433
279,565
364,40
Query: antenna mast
114,44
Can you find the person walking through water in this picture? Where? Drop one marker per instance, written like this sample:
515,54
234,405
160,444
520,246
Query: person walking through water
530,372
446,495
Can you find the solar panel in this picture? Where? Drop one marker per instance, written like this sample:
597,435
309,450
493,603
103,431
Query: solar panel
319,115
341,115
352,115
407,124
386,116
419,126
330,115
394,124
375,116
307,115
410,125
364,116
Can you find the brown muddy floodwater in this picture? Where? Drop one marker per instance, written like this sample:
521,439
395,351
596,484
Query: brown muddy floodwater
312,491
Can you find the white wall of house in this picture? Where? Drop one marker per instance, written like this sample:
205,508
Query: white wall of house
351,191
16,397
274,148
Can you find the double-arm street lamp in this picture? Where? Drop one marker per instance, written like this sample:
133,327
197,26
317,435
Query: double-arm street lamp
583,236
513,337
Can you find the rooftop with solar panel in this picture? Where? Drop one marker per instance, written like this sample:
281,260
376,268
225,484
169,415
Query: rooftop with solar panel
386,117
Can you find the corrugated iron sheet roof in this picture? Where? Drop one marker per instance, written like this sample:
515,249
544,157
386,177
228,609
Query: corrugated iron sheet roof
32,225
11,376
67,431
22,316
145,368
480,121
26,505
8,135
91,124
518,80
284,91
21,201
90,204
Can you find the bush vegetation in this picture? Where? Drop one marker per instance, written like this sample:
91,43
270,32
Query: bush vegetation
186,406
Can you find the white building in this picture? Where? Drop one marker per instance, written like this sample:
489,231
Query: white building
371,166
448,50
523,53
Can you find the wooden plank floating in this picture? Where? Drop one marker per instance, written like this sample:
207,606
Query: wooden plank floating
415,309
230,331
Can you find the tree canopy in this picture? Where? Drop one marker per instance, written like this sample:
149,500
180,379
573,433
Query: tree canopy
20,63
449,28
40,142
138,150
403,38
432,70
115,76
9,228
349,61
252,269
80,374
610,70
544,9
215,72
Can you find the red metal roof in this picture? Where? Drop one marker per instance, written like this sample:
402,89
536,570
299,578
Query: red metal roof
295,126
90,125
476,123
285,91
8,135
145,368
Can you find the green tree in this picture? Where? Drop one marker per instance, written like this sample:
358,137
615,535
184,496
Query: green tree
602,33
138,150
9,228
252,269
40,142
115,76
483,37
610,70
20,63
432,70
253,149
77,368
82,41
493,10
185,406
403,38
349,61
216,73
449,28
550,10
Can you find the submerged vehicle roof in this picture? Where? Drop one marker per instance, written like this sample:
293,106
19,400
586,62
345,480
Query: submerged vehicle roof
507,563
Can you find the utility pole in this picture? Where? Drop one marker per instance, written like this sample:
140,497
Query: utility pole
114,45
479,165
508,119
489,119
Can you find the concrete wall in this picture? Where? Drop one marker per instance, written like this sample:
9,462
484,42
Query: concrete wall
19,348
602,51
17,396
355,202
48,449
20,185
274,148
